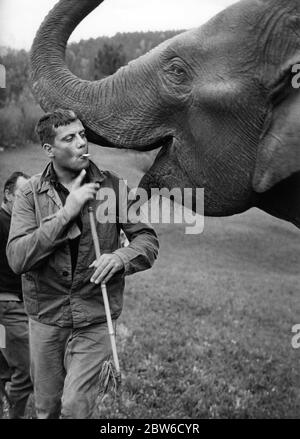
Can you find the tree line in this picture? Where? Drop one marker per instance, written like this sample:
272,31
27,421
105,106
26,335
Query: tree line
89,59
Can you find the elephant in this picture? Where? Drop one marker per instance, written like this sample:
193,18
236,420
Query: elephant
217,103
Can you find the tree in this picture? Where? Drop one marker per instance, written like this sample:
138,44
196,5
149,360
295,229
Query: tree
108,60
16,63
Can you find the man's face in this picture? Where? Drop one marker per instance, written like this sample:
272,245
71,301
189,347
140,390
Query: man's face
68,147
11,196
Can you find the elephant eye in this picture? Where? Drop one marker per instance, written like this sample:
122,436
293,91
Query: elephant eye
177,72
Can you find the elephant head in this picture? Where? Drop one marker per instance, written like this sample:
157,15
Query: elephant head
218,100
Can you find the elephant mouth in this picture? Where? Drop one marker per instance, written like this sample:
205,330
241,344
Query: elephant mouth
163,142
152,144
132,162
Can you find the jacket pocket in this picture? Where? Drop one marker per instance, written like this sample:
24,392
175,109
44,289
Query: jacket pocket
29,287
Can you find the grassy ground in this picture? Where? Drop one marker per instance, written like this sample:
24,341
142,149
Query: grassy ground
207,332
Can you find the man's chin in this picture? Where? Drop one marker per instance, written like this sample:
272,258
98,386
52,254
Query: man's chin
84,165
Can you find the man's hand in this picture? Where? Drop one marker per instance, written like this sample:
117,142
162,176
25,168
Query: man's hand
106,266
79,195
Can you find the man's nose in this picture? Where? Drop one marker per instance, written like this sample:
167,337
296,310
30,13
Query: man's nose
81,141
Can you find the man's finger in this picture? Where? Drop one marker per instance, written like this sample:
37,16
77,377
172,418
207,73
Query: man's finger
90,186
105,277
93,264
89,190
100,275
110,275
78,180
101,266
88,197
98,262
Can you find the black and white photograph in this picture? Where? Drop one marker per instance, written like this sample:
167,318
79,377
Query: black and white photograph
149,213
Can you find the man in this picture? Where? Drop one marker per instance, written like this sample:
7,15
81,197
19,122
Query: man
15,355
51,243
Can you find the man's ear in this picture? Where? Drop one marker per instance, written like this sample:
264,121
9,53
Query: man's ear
8,195
48,150
278,153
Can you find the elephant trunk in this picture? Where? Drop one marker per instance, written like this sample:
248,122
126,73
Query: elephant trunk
52,82
101,105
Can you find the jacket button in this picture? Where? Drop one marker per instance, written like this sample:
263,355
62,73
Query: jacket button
65,273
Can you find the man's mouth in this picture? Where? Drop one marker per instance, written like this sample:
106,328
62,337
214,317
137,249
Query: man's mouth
85,156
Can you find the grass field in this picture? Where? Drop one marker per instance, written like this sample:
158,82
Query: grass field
207,332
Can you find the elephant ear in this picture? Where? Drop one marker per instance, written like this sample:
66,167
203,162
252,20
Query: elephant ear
278,153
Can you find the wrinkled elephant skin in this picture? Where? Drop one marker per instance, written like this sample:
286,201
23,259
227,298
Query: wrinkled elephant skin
218,100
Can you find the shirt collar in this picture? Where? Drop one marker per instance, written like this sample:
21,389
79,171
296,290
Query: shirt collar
49,176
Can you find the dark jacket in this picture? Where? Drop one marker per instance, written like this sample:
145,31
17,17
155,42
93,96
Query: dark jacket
38,246
9,281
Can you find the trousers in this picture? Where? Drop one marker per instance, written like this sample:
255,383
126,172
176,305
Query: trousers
14,364
65,366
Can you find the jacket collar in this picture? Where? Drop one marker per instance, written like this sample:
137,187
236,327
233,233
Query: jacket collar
6,209
94,174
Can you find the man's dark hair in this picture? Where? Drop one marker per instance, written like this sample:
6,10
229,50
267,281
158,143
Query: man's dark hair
11,182
45,128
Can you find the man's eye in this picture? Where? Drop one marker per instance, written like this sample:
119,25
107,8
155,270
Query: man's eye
83,135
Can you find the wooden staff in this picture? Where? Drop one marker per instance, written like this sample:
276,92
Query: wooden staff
105,298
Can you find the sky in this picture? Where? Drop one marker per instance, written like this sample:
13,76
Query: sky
20,19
